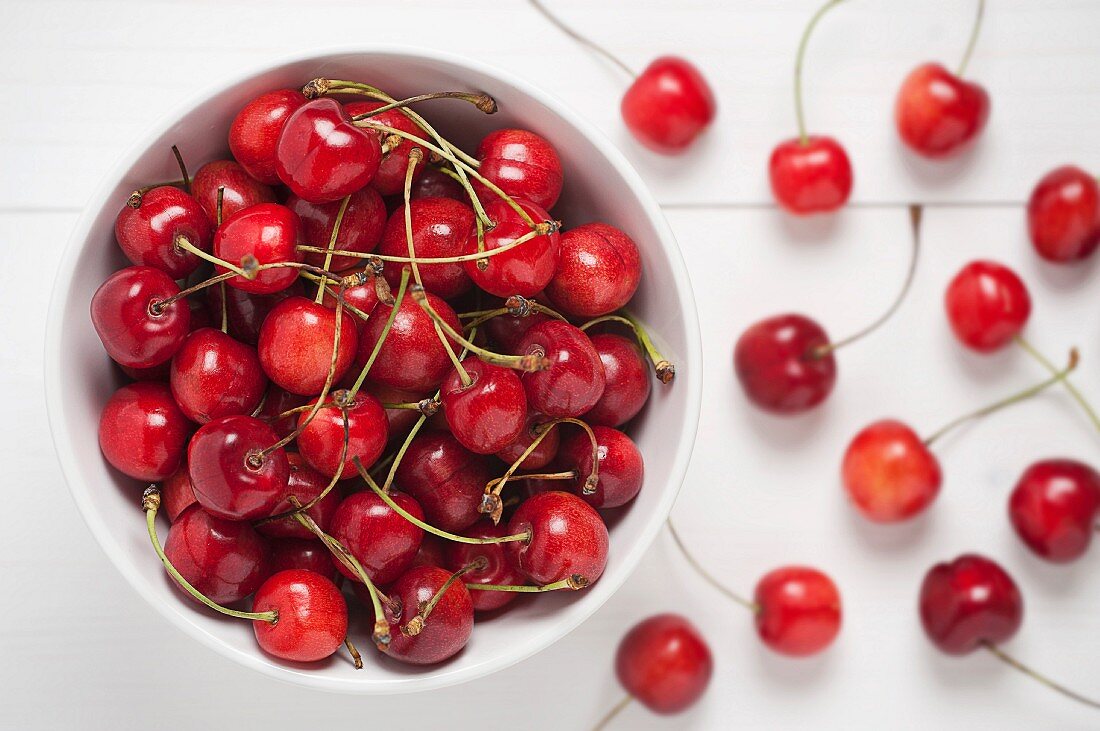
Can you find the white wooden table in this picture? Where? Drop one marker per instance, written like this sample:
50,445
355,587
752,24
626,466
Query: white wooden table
79,649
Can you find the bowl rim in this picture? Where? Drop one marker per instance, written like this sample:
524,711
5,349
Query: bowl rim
80,490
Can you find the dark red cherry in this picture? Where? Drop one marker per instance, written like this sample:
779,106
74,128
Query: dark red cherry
1054,508
149,234
621,468
431,552
305,484
665,663
299,553
798,610
814,176
487,414
225,560
213,375
522,164
176,493
781,366
937,113
231,478
628,381
379,538
321,441
239,189
543,454
267,232
446,479
390,179
524,270
889,472
575,379
431,183
508,331
440,228
278,401
1063,215
567,538
295,345
142,432
400,420
412,358
987,305
360,230
255,131
322,156
313,616
245,312
136,330
448,627
969,602
669,105
599,269
362,297
498,569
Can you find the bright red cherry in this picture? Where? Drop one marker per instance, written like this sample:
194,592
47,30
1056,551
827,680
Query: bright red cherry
245,312
543,454
149,234
360,230
268,234
1054,508
522,164
296,343
176,493
136,330
627,381
379,538
390,179
412,357
599,270
798,610
665,663
322,156
1063,215
621,468
255,131
305,484
525,269
446,479
669,105
440,228
575,379
362,297
213,375
498,569
969,602
889,472
987,305
783,364
446,630
810,176
239,189
321,441
313,616
225,560
433,184
142,432
299,553
231,476
937,113
567,538
489,412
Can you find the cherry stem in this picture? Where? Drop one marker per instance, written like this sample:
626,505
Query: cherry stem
737,598
150,503
1013,662
582,40
225,307
665,370
1014,398
134,201
383,335
182,242
183,170
516,306
356,658
426,406
415,156
481,100
799,115
1077,395
576,582
219,204
615,711
973,38
915,215
332,245
158,306
416,625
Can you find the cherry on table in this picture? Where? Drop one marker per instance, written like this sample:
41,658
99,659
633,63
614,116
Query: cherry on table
488,412
312,616
446,630
440,228
254,132
567,538
360,228
798,610
234,474
305,484
446,479
149,234
784,364
296,345
497,568
267,233
1054,508
890,473
383,541
599,269
321,439
135,326
524,269
142,431
968,603
1063,215
239,190
213,375
987,305
522,164
575,379
664,662
225,560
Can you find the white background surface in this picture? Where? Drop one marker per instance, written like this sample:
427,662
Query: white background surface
79,649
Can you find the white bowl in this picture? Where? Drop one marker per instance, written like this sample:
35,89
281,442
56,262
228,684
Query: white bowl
599,185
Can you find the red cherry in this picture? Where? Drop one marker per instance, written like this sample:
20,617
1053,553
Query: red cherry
430,553
230,476
446,479
498,570
575,379
255,131
782,366
362,297
136,330
543,454
524,270
598,271
321,440
488,413
299,553
176,493
322,156
508,331
522,164
213,375
968,603
987,305
277,401
400,420
390,179
267,232
669,105
239,189
412,357
664,663
567,538
1063,215
379,538
148,234
305,484
295,345
811,176
433,184
937,113
448,627
360,230
1054,507
628,381
621,468
313,616
889,472
142,432
245,312
224,560
440,228
798,610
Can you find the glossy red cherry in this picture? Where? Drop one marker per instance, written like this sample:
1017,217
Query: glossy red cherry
440,228
321,441
968,603
322,156
362,297
627,381
225,560
798,610
245,312
278,401
987,305
575,379
305,484
665,663
782,365
448,627
230,476
543,454
433,184
269,234
313,616
213,375
811,176
488,413
567,538
599,270
176,493
136,330
412,358
295,345
669,105
142,432
1054,507
621,468
522,164
379,538
254,133
390,179
239,189
1063,215
149,234
498,569
299,553
524,270
446,479
937,113
889,472
360,230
